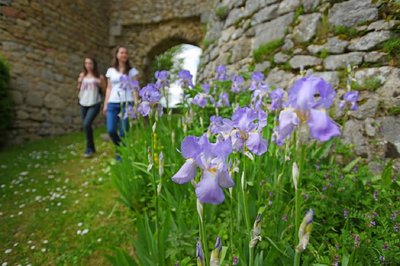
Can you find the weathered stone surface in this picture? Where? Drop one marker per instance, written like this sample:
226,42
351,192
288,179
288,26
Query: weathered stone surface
253,6
350,13
265,14
375,57
315,49
330,76
280,78
286,6
333,62
261,67
382,25
369,41
390,128
288,45
367,109
281,58
34,98
307,28
389,93
310,5
275,29
336,45
353,134
370,129
241,50
235,15
304,60
53,102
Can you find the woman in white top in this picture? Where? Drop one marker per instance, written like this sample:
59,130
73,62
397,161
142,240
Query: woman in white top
117,97
90,85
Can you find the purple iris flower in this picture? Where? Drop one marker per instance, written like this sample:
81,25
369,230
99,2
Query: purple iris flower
128,84
162,78
276,98
211,159
221,126
259,95
351,97
237,84
288,120
311,92
130,112
150,93
185,78
257,78
223,100
309,98
221,73
206,88
248,125
144,108
322,127
200,100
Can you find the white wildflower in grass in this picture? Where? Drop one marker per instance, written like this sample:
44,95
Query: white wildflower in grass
85,231
33,247
99,240
43,250
80,224
78,232
45,241
8,251
20,213
4,264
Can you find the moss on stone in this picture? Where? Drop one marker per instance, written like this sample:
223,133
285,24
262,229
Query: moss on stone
347,32
222,12
267,50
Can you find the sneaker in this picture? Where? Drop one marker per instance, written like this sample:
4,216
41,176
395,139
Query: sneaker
88,154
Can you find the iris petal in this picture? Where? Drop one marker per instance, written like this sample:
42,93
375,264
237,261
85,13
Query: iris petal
208,189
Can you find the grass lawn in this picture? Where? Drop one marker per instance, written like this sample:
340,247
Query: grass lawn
58,208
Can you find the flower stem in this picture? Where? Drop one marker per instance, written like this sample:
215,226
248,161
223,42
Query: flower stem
297,259
203,239
154,181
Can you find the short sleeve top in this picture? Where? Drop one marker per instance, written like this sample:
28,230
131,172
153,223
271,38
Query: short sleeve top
118,94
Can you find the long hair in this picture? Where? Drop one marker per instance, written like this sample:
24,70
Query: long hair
95,68
115,62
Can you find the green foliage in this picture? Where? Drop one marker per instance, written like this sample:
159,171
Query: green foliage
329,187
298,12
323,29
51,167
323,54
347,32
207,43
395,110
266,51
388,9
222,12
370,84
167,61
392,46
6,102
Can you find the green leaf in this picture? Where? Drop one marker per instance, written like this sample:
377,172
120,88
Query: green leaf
351,165
387,173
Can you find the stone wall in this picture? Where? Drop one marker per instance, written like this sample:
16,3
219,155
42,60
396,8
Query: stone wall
323,37
150,28
45,43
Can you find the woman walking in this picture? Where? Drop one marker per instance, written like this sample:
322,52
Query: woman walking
91,86
117,98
